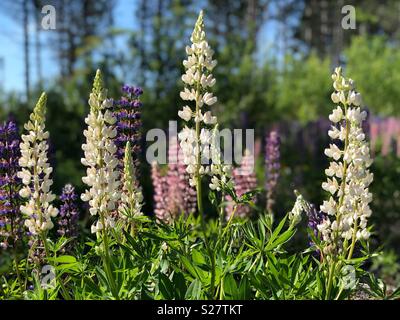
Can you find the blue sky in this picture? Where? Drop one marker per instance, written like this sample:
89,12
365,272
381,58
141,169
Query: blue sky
12,55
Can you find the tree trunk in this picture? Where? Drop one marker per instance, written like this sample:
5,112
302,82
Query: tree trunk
25,12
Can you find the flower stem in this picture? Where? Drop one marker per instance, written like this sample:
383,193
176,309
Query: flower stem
221,215
330,280
198,186
46,248
203,226
229,221
16,262
353,241
107,260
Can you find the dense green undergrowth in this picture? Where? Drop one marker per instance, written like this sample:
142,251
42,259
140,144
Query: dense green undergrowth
161,261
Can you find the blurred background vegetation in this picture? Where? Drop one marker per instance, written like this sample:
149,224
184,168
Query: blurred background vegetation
274,57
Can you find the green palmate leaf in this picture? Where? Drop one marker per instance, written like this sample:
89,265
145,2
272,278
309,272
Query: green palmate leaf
218,272
212,197
61,243
198,258
320,285
295,270
231,291
68,267
195,270
244,289
93,287
144,294
376,286
190,267
166,287
180,285
274,287
283,238
194,290
101,276
164,265
357,261
280,270
248,197
65,259
277,230
262,236
305,283
160,236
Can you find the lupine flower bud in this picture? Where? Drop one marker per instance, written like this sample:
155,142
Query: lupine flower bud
295,213
10,215
131,197
315,218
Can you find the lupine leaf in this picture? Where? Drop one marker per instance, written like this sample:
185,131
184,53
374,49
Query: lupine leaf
194,290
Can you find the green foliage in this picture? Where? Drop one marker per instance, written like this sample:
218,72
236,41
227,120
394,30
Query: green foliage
253,259
303,88
387,266
386,204
375,65
161,261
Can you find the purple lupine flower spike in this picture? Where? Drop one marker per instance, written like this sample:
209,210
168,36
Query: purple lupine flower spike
128,125
69,213
272,163
10,216
127,112
315,218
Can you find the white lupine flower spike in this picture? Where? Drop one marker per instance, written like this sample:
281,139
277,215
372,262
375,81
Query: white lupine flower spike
35,173
198,144
349,177
102,175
